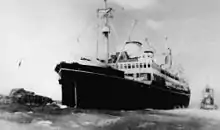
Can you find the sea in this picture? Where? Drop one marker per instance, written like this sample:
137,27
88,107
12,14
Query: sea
72,119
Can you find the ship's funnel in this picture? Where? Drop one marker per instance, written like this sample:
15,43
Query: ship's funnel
133,48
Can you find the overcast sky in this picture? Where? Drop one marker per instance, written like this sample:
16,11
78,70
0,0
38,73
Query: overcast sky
42,33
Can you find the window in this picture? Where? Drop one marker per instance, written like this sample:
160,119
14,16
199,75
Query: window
145,66
121,66
129,66
137,66
125,66
133,65
140,65
148,65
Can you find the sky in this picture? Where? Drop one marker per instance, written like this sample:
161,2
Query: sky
42,33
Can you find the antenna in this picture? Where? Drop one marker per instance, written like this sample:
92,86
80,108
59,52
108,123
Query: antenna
165,45
166,38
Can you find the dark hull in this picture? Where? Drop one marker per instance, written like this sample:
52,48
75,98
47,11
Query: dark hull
91,90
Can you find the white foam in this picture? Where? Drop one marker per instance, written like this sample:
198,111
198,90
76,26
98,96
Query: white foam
199,113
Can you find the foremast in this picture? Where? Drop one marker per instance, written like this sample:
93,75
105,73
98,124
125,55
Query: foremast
105,14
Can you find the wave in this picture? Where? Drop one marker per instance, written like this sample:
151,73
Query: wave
147,119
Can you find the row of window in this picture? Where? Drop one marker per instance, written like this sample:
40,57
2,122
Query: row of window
132,65
137,75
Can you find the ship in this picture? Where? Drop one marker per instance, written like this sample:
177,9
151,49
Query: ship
121,82
208,102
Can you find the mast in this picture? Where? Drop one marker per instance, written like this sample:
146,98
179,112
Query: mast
168,57
105,15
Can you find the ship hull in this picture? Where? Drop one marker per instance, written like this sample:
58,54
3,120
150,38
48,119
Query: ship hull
90,90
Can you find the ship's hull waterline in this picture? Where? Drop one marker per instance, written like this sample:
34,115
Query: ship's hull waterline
86,89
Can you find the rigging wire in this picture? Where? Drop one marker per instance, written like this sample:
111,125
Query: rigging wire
97,41
115,33
132,29
123,47
150,45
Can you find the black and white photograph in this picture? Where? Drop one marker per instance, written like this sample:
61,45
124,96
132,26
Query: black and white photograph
109,64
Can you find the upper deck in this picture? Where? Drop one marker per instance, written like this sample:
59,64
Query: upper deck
144,69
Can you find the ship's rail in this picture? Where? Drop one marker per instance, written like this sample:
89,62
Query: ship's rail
123,58
167,73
